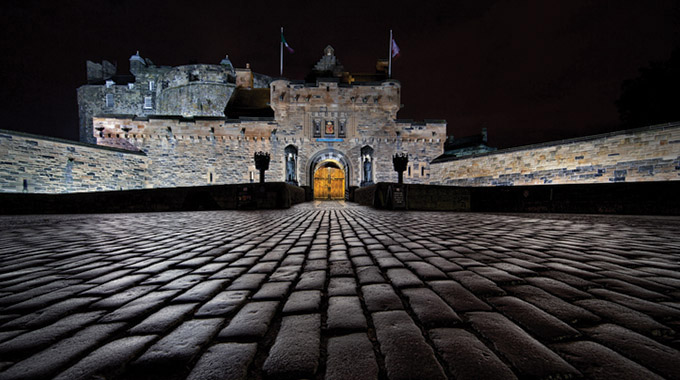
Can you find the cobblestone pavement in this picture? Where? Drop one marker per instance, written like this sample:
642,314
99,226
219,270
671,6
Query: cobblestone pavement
339,291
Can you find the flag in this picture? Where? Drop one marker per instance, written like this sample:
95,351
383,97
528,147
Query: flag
395,49
283,40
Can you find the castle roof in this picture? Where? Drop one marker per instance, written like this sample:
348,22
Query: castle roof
249,102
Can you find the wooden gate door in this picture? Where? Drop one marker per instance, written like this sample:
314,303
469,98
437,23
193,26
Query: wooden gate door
329,183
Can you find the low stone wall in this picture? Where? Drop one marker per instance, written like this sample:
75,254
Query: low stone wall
639,155
38,164
250,196
417,197
638,198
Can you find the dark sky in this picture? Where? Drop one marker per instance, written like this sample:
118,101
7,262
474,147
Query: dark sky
528,70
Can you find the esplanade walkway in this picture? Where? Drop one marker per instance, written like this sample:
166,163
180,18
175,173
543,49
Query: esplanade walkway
339,291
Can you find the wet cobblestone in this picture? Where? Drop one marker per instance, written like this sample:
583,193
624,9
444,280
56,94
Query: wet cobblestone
339,291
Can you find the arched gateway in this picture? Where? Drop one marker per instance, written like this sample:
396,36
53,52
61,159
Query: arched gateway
329,174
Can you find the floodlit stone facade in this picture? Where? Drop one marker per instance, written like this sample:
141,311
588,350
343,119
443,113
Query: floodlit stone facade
172,120
189,90
353,128
639,155
166,127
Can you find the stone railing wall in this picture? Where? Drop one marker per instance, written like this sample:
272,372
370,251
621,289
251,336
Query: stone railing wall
638,155
38,164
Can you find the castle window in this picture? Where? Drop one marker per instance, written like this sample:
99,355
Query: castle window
193,77
152,85
341,128
409,171
148,103
109,100
422,171
317,128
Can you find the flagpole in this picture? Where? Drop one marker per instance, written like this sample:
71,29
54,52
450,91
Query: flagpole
281,38
389,55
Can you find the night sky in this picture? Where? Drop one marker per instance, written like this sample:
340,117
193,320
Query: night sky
529,71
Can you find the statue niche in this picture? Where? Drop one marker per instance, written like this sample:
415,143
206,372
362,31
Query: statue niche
291,153
367,166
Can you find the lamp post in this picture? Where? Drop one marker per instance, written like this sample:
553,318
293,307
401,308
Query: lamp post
400,160
262,163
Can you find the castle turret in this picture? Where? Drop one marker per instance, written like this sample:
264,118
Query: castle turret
137,64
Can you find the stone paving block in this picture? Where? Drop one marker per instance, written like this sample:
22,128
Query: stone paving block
407,354
575,281
556,306
460,299
342,286
426,271
272,291
111,276
252,321
498,276
543,325
402,278
201,291
315,264
295,352
381,297
631,290
44,300
369,275
386,263
224,361
164,319
595,361
140,307
341,268
645,351
467,357
184,282
122,297
655,310
266,267
312,280
303,301
165,277
479,285
626,317
407,256
286,273
228,273
293,259
345,313
49,314
351,357
34,340
107,360
443,264
558,288
524,353
429,308
174,351
47,363
361,261
248,281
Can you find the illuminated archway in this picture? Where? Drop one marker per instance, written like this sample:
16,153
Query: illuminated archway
329,174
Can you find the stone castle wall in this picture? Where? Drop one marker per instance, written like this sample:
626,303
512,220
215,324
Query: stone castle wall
645,154
188,90
199,151
49,165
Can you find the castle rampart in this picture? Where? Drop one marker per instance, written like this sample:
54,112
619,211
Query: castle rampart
645,154
38,164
